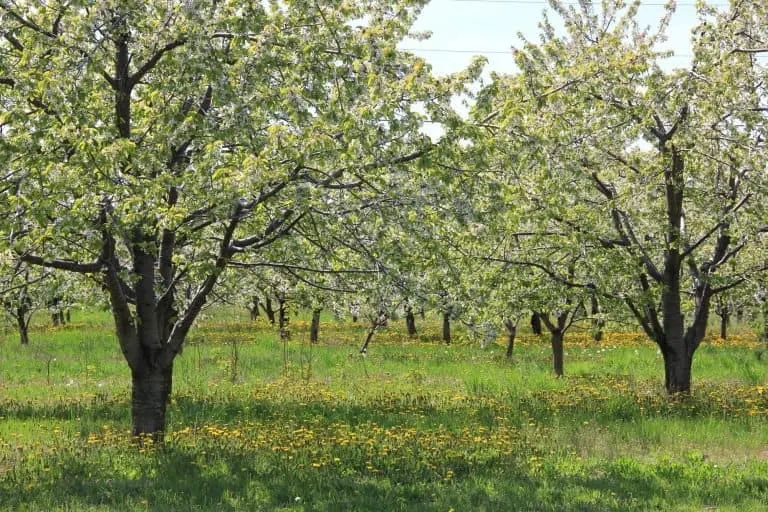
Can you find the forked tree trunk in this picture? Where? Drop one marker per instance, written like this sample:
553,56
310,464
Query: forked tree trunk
268,310
447,328
557,352
536,324
511,333
149,398
314,328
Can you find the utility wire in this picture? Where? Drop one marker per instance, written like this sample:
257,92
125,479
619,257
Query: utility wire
544,2
509,52
492,52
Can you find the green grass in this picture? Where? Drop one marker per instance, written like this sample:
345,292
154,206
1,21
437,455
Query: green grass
256,424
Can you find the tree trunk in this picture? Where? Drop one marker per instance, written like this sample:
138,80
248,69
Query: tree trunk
62,320
68,317
725,319
557,352
447,328
376,322
314,328
254,309
597,323
149,398
23,326
536,324
410,322
55,319
267,306
677,371
739,315
283,319
511,332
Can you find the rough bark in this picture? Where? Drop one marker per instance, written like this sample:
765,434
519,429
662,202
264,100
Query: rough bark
410,321
447,327
23,326
253,309
283,319
314,329
598,324
557,352
149,399
557,328
536,323
511,333
725,320
268,310
677,371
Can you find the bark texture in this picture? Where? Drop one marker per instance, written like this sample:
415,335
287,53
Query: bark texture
314,329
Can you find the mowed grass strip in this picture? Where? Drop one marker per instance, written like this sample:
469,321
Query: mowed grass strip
256,424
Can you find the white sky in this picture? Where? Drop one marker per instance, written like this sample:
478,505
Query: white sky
490,27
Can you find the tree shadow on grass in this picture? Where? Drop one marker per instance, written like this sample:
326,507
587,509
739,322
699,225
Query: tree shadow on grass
177,478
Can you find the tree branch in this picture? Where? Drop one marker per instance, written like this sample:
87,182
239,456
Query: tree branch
152,62
68,265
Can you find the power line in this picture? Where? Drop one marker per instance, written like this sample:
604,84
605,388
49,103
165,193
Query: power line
544,2
496,52
509,52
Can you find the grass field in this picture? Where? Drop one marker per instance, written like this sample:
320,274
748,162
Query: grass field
255,424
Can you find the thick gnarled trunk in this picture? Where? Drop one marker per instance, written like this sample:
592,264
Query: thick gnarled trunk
677,371
150,393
